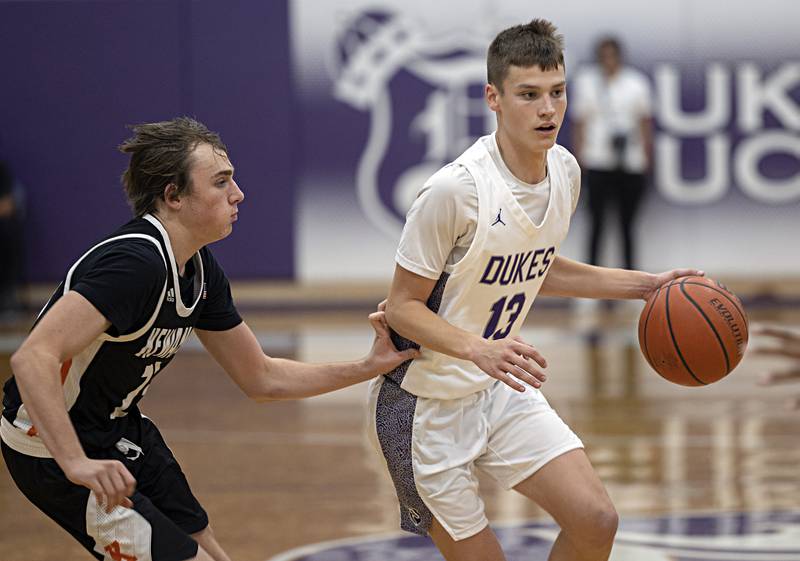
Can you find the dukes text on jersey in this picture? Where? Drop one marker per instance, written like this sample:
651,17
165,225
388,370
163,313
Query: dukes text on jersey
517,267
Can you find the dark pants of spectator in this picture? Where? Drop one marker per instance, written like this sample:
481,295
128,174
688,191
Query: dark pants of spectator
611,191
11,257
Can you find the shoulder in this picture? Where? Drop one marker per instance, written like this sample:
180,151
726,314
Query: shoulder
573,170
139,250
124,258
451,183
567,159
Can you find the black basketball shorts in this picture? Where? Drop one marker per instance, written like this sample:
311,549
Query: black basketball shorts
157,528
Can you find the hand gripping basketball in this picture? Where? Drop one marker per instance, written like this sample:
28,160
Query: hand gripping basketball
693,331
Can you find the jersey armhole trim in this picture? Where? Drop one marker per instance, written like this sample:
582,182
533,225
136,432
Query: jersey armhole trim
465,264
139,332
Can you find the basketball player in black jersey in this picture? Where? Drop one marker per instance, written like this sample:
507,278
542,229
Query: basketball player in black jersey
73,438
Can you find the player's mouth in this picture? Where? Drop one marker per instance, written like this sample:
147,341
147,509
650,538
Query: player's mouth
547,129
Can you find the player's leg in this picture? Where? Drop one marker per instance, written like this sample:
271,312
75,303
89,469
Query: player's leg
483,546
429,447
209,546
570,491
533,451
141,532
160,477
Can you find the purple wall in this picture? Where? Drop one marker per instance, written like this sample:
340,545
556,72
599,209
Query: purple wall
75,73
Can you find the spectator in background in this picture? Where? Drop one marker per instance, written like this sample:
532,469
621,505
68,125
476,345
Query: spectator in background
783,343
612,140
10,240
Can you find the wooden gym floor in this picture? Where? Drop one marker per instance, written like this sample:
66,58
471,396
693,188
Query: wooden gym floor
281,475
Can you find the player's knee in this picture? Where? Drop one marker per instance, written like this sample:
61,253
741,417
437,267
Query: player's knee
600,527
205,532
202,555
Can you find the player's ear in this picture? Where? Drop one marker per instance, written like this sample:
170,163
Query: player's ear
171,196
491,93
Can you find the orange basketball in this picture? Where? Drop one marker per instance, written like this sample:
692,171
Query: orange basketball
693,331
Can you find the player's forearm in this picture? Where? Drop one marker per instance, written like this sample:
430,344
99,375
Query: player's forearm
288,379
415,321
37,376
578,280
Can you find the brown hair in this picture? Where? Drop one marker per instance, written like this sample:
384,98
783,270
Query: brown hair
160,155
531,44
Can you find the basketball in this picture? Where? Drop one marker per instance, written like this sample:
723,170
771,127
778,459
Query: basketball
693,331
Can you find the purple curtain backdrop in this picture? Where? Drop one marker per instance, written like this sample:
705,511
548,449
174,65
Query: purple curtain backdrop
75,73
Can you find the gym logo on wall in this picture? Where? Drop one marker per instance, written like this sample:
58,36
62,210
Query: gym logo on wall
425,95
766,536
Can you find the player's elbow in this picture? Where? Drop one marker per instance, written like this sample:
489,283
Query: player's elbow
391,312
23,361
395,312
266,392
271,386
18,361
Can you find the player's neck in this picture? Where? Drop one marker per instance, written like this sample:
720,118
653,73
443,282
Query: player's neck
525,165
183,242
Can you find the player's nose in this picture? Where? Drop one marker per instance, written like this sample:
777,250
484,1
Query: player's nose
547,109
238,194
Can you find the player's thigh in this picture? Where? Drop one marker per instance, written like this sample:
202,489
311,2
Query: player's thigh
569,489
482,546
142,531
429,446
161,479
525,434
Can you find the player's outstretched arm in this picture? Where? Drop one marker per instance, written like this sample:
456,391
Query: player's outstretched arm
508,360
579,280
264,378
65,330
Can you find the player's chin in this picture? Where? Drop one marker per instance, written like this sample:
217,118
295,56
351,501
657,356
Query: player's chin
545,143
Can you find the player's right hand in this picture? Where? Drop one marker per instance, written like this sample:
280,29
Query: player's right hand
510,360
109,480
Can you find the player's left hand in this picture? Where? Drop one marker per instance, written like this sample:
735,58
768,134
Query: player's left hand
384,356
663,278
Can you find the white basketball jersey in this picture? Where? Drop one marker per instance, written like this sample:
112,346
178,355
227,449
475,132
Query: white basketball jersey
491,289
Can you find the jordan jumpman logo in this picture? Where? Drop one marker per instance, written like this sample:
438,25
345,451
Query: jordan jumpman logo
498,219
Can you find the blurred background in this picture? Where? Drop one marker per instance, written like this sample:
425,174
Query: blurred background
334,113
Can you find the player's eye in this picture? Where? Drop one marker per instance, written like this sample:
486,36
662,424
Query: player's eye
558,93
528,95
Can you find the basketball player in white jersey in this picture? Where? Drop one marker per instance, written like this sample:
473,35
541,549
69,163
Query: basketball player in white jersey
73,437
480,242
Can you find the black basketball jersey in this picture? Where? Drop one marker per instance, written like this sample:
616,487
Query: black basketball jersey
132,278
